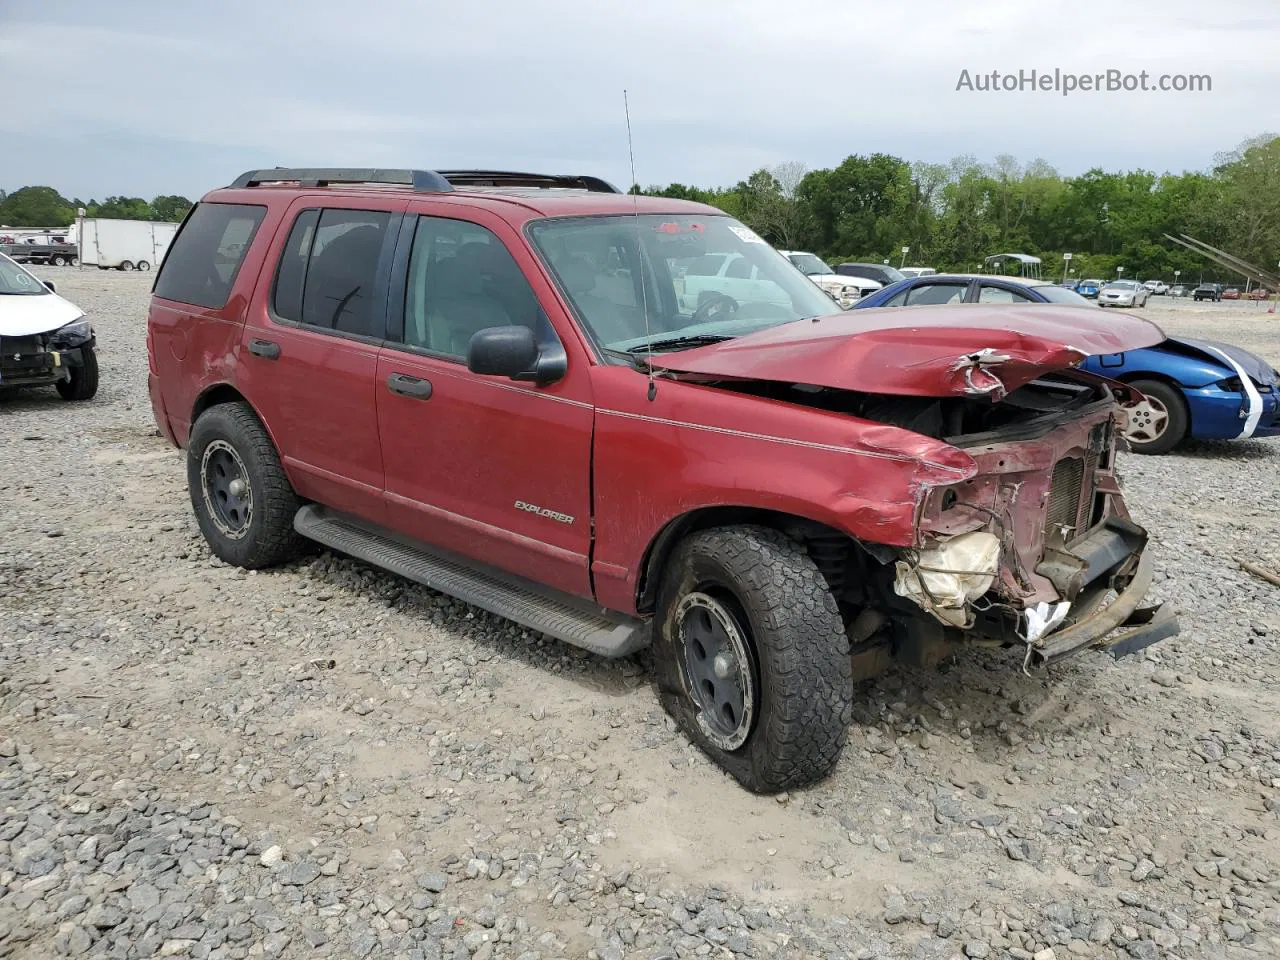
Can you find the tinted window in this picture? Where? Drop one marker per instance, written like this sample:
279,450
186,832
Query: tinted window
934,293
338,293
463,279
990,294
205,257
1063,295
739,269
292,272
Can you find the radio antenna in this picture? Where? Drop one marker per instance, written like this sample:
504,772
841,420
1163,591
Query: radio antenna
635,209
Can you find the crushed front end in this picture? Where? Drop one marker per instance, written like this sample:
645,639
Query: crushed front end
44,359
1037,548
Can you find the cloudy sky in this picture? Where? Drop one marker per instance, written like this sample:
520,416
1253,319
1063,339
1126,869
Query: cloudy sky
143,97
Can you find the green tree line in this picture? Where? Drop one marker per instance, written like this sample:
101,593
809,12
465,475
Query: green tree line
46,207
953,215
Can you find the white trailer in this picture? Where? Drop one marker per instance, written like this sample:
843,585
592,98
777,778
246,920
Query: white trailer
124,244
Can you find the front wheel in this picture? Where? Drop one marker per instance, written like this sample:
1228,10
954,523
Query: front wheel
59,261
82,383
1157,423
126,265
143,266
752,658
242,499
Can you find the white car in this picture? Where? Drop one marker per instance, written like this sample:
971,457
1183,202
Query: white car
845,291
918,271
1158,287
728,274
44,339
1123,293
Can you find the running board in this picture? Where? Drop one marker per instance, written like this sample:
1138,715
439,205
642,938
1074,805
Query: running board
499,593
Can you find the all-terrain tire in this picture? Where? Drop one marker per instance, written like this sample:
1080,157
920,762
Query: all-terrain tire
83,381
268,537
1175,430
802,672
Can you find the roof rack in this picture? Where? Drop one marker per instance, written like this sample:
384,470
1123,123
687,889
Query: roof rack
507,178
422,181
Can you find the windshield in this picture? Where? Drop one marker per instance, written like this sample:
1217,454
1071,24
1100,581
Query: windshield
1062,295
809,265
16,282
1124,284
703,276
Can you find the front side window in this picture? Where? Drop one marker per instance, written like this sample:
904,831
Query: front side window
205,257
643,280
1062,295
328,271
462,279
936,293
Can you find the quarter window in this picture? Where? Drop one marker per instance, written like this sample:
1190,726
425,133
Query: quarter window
462,279
205,257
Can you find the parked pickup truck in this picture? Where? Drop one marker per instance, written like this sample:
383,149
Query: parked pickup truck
489,383
50,254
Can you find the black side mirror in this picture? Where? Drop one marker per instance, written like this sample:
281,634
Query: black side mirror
513,352
52,288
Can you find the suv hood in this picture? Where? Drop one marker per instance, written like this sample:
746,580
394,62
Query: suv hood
22,316
927,351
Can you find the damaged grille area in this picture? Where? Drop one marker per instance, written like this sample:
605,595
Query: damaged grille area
24,358
1064,493
1071,494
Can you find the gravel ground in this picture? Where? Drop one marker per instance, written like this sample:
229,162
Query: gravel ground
324,760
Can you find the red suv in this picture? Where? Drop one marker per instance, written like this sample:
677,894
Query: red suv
498,385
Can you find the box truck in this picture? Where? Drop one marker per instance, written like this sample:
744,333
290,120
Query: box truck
124,244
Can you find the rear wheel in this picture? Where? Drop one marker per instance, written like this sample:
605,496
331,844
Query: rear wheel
143,265
59,261
1158,422
242,499
83,381
752,657
126,265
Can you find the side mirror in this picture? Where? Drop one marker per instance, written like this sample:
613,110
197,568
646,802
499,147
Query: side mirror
513,352
52,288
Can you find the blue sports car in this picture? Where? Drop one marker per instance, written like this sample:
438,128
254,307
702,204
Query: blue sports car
1193,388
1089,288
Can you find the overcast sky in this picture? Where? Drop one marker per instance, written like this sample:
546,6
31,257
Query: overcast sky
146,97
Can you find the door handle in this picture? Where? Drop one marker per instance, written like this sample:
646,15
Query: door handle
264,348
408,386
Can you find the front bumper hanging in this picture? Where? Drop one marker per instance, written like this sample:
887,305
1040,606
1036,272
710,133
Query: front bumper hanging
1113,559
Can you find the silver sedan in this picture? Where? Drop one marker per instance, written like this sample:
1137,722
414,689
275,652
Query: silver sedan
1123,293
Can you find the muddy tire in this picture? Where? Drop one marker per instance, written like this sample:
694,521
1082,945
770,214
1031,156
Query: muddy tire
82,383
242,499
1159,423
751,657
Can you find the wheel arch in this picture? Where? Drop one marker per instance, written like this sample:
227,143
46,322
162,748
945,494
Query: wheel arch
677,529
223,392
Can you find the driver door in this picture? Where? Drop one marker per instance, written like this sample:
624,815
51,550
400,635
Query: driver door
494,470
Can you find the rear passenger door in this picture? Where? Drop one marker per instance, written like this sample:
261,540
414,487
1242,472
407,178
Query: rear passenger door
310,348
495,470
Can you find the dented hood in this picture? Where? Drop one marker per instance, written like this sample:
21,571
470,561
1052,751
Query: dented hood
928,351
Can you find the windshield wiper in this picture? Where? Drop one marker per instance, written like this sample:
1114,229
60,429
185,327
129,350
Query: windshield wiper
689,340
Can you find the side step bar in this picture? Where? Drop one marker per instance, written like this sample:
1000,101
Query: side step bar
609,635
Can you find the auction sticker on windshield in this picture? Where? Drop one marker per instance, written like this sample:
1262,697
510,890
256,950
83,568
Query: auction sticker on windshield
745,234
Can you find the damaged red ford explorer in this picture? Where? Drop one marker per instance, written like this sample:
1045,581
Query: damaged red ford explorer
628,422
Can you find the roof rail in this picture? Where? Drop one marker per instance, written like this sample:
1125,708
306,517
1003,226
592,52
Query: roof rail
422,181
507,178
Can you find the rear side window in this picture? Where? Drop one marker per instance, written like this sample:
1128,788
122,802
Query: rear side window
328,272
206,255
